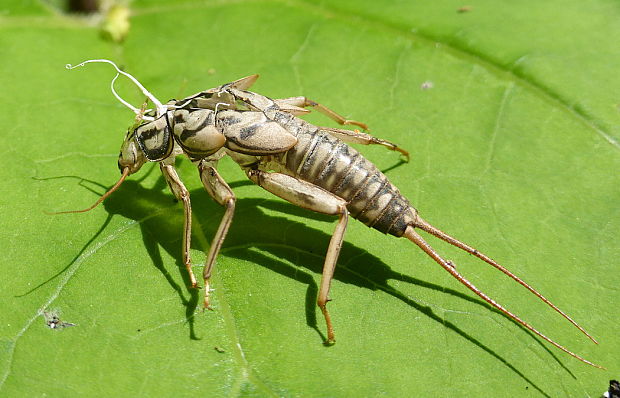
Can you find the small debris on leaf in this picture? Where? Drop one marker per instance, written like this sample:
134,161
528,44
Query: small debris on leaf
115,25
427,85
53,321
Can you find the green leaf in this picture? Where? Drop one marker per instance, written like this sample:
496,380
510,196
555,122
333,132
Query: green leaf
511,116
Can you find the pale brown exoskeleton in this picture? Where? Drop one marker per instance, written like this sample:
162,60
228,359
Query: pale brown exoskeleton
306,165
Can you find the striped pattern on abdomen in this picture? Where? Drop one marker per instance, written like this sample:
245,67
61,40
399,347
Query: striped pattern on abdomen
336,167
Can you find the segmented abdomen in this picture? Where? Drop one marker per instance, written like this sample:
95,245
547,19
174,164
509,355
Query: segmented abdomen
336,167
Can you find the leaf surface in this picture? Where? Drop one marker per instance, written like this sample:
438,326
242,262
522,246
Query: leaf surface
511,114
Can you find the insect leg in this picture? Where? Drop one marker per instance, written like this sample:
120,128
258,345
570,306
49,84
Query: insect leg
222,194
311,197
304,102
182,194
358,137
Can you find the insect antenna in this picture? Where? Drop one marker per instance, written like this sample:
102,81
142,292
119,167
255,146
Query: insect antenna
101,199
161,109
448,266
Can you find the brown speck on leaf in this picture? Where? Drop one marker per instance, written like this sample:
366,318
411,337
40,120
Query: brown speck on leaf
463,9
83,6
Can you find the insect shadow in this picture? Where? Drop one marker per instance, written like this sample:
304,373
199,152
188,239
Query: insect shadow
255,228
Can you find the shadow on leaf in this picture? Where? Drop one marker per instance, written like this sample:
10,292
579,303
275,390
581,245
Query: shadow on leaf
254,229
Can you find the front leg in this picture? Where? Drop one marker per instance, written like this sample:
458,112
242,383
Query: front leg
219,190
182,194
311,197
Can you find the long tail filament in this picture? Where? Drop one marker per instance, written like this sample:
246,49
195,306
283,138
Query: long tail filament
448,266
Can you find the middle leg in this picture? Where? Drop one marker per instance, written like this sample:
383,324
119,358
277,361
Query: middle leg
219,190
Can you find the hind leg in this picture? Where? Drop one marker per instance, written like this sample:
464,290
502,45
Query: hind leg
311,197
